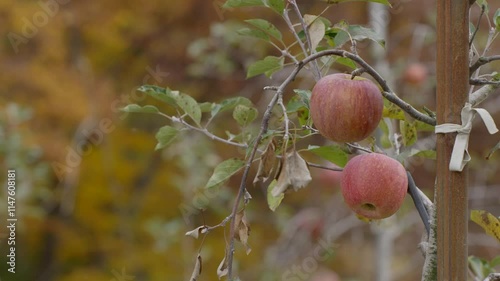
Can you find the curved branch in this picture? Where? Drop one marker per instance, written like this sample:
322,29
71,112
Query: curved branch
387,91
482,61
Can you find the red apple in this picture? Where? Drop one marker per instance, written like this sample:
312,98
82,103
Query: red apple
415,74
345,109
374,185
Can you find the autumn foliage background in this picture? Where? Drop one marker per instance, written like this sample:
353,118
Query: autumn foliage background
124,205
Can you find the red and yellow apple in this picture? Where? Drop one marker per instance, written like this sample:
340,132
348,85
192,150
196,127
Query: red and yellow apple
346,109
374,185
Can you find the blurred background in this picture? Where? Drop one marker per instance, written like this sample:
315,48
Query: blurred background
95,201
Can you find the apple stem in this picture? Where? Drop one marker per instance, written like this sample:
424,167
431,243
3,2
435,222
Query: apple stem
417,200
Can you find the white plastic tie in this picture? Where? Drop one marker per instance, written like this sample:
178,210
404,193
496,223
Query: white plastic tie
460,155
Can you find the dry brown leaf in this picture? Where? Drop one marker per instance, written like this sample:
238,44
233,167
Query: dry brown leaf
222,269
294,173
197,231
267,163
242,230
197,269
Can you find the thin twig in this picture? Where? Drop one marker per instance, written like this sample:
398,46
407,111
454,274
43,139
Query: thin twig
202,130
316,72
294,32
482,81
324,167
483,8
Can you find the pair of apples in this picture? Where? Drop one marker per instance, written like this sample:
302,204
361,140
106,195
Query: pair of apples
347,109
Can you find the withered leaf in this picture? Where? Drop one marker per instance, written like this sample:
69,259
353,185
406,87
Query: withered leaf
197,269
294,174
222,269
267,163
242,230
197,231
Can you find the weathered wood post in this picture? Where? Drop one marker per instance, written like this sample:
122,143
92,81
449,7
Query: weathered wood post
452,89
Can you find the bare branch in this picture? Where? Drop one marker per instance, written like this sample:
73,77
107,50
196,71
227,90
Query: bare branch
482,61
316,72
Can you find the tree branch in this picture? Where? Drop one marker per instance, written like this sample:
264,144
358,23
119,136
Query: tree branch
387,91
482,61
417,200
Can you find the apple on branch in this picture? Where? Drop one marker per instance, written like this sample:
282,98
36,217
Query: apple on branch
346,109
374,185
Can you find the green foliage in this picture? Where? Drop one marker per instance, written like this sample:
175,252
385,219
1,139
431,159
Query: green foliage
244,115
165,136
266,27
224,171
332,153
273,201
481,268
267,66
134,108
242,3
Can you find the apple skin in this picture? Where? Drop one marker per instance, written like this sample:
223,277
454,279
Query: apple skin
345,109
374,185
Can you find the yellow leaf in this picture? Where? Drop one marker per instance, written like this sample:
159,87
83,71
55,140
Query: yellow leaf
487,221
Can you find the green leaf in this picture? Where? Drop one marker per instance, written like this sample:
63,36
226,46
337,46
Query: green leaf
429,154
141,109
230,103
346,61
267,27
332,153
360,33
224,171
485,3
244,115
384,138
277,5
190,106
495,261
394,112
408,132
496,19
256,33
268,66
421,126
242,3
273,201
206,106
163,94
385,2
165,136
342,33
479,267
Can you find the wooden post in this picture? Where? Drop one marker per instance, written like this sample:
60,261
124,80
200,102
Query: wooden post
451,187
